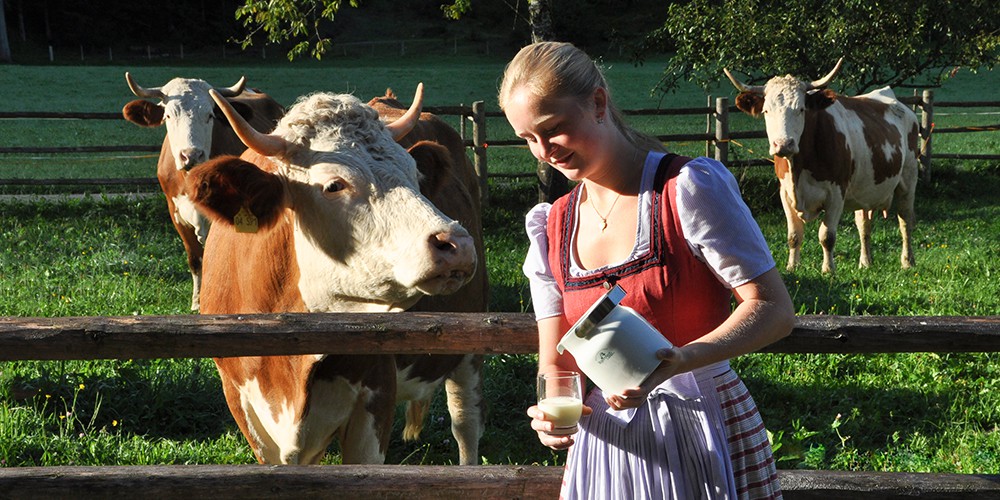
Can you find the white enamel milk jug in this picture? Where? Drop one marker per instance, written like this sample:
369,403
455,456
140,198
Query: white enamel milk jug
613,345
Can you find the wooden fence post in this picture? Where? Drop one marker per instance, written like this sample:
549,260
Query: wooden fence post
708,124
926,129
479,149
722,129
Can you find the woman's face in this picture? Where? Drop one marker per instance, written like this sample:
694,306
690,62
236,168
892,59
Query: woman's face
562,132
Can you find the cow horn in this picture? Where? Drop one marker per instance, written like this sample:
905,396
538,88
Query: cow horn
235,90
742,87
823,82
404,124
265,144
142,92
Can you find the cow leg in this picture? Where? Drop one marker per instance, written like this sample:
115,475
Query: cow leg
904,196
416,413
195,289
796,230
193,228
465,406
364,439
828,237
194,251
240,402
232,394
863,219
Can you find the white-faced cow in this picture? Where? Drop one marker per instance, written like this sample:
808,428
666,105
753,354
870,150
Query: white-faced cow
196,131
329,213
833,152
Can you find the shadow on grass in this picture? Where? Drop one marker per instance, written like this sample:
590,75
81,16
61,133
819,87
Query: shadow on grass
169,399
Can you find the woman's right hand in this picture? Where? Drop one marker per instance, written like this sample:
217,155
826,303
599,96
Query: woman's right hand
543,427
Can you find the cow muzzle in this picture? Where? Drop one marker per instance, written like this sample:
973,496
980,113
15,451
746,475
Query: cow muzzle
453,254
785,147
189,158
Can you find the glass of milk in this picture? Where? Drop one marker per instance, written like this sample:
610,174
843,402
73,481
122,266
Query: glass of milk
560,397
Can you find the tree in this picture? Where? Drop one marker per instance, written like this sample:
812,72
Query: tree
282,20
883,42
540,16
4,43
551,183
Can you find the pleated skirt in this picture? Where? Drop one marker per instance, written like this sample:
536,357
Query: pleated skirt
705,443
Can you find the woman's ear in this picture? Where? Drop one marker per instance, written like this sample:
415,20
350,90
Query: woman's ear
600,104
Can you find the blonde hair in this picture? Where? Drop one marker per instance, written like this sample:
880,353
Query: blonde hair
559,70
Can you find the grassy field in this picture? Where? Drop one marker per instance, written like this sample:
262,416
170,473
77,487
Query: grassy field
120,256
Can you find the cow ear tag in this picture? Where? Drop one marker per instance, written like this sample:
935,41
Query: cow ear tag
245,221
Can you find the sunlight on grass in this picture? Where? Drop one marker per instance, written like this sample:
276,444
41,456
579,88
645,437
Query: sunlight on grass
114,256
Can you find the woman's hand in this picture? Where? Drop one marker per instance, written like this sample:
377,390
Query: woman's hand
543,427
671,359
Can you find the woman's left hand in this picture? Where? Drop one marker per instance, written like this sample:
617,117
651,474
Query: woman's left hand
670,361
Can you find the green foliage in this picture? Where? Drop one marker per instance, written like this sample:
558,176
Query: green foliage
282,20
884,42
456,9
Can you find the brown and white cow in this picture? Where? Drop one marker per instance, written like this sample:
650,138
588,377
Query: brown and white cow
328,213
455,191
834,153
196,131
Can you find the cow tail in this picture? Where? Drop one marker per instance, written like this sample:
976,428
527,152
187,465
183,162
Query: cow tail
416,413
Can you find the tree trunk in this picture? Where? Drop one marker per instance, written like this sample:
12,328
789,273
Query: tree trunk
48,26
551,183
20,20
540,16
4,43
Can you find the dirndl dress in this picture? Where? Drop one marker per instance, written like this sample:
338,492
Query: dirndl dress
676,446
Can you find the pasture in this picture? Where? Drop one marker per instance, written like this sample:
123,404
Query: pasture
112,255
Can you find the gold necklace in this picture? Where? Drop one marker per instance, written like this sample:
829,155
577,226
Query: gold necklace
604,219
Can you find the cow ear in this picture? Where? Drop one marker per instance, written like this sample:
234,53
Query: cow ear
750,103
820,99
434,164
143,113
224,186
244,109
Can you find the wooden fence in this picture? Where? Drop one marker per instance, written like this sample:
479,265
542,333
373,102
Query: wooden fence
718,137
129,337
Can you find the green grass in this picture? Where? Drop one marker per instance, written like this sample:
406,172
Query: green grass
115,256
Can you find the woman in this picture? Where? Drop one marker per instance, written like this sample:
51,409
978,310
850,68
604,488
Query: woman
677,236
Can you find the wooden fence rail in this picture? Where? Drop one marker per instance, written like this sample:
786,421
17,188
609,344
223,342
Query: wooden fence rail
478,141
434,333
182,336
431,482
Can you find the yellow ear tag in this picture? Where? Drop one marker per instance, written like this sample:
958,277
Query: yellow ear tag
245,221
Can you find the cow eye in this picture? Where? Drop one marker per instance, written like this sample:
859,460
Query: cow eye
334,187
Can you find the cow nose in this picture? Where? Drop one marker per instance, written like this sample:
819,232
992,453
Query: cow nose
784,147
192,157
456,251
